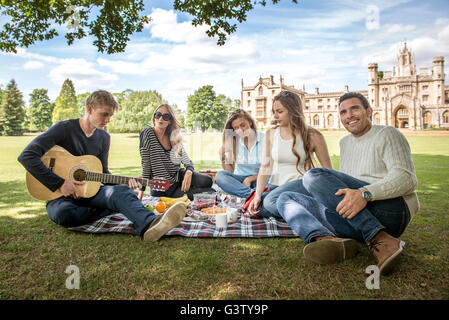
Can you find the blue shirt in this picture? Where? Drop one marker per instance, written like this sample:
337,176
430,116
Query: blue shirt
248,161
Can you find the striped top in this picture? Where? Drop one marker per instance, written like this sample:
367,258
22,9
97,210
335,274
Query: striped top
158,162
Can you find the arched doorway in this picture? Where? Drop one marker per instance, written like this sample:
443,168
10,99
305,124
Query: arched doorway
316,121
401,117
427,121
446,117
376,118
330,121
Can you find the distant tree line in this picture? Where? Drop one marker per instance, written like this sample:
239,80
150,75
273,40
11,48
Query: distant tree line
206,110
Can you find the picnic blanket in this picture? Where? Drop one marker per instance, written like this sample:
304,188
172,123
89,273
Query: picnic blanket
245,227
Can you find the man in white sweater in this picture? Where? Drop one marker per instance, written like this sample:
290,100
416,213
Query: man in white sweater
371,199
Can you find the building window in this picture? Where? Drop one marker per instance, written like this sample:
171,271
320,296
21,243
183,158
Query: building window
405,88
316,120
260,91
249,94
261,103
446,117
425,98
376,118
425,88
249,103
403,113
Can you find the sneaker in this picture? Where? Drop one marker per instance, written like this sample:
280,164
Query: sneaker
386,249
165,222
327,250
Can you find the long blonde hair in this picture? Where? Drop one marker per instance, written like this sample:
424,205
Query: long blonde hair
297,123
173,130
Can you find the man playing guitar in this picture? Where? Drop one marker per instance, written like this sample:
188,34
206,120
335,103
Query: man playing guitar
86,136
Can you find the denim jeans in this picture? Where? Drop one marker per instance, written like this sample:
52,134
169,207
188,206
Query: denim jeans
70,212
316,216
233,184
269,200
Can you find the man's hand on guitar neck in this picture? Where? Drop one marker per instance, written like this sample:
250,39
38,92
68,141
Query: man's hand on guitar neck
69,190
133,184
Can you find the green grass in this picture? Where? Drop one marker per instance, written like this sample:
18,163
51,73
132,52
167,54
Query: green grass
34,252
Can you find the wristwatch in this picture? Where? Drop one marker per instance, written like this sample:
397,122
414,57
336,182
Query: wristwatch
366,194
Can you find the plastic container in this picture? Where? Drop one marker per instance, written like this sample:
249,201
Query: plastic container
203,200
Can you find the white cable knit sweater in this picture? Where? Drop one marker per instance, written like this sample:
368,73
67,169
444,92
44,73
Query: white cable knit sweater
382,158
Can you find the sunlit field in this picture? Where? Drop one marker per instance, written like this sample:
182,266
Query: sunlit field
34,252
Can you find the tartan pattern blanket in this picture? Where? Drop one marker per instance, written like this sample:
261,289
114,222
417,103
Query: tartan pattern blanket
244,227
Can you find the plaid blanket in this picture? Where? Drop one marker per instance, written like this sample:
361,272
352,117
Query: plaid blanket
244,227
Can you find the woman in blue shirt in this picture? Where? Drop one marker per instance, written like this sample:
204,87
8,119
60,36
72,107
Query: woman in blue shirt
240,155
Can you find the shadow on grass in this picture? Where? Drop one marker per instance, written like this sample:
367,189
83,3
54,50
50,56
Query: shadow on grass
35,253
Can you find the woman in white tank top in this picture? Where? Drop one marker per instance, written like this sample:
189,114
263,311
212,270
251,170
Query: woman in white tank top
288,153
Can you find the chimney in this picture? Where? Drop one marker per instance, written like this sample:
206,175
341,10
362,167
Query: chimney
271,79
317,91
346,88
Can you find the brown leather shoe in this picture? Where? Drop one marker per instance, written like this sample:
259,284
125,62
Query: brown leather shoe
386,249
327,250
165,222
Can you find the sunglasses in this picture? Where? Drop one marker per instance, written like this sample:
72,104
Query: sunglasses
165,116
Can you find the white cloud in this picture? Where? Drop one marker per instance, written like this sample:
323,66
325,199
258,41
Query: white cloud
122,67
164,26
83,73
23,53
397,28
33,65
424,48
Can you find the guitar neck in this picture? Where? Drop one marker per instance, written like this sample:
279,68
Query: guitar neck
113,179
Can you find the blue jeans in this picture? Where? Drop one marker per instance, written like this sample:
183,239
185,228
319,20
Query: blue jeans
69,212
269,200
233,184
316,216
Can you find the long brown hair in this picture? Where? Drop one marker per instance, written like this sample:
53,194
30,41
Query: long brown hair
234,115
297,123
173,129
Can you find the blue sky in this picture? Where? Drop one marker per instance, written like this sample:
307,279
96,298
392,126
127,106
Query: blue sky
324,44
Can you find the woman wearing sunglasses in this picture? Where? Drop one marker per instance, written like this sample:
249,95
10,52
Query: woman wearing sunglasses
162,153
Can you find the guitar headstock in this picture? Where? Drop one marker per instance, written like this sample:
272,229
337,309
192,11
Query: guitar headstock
159,184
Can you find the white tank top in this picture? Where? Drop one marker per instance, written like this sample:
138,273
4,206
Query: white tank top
284,161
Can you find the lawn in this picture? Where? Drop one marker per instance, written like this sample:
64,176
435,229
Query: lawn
34,252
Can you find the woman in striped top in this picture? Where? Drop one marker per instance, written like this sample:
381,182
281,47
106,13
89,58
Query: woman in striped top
162,153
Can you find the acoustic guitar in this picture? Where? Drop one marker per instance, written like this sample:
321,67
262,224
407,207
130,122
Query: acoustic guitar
87,169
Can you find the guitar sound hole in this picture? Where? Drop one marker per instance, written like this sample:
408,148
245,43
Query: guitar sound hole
79,175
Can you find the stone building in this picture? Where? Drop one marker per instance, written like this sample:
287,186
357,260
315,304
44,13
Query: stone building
401,97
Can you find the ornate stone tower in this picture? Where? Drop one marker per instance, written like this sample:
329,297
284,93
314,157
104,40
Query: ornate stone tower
405,63
373,85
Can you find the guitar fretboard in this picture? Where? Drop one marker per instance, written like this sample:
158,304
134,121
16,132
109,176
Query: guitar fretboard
113,179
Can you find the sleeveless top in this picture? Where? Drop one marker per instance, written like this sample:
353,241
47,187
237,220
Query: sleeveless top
284,161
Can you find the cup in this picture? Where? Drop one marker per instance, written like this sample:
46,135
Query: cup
232,214
221,220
